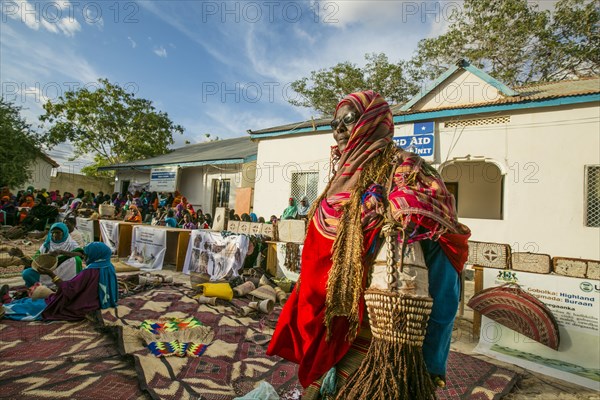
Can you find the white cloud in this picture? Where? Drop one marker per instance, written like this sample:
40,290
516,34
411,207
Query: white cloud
50,18
69,26
93,16
132,42
160,51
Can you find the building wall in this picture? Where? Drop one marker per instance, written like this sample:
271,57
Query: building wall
278,159
134,176
41,171
541,153
67,182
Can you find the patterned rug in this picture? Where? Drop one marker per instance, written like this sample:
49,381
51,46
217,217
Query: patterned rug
471,378
235,362
62,360
231,366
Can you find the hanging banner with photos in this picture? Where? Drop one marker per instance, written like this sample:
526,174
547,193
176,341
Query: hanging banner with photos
210,253
109,230
575,305
85,226
148,247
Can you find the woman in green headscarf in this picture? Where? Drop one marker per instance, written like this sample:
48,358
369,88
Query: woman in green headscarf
58,243
291,212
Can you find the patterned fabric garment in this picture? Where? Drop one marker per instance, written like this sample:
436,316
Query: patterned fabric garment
323,314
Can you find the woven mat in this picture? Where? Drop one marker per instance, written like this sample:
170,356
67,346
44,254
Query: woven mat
231,366
471,378
11,271
62,360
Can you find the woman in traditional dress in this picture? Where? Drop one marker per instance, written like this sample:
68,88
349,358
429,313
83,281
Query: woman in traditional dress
291,211
133,214
58,243
303,208
93,289
322,325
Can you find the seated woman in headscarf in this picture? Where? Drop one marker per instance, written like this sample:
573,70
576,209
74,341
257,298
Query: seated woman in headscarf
58,243
253,217
39,215
26,205
93,289
303,207
171,221
133,214
188,222
323,325
291,212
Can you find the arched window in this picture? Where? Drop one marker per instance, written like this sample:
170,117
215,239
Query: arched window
478,186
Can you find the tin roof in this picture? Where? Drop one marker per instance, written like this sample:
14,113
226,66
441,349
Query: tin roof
227,151
528,93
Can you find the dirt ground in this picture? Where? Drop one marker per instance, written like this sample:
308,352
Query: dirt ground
531,386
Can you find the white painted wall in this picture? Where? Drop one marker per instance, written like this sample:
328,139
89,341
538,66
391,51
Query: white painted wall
279,158
543,152
41,171
463,88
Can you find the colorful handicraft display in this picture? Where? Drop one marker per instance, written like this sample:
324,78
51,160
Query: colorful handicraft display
176,337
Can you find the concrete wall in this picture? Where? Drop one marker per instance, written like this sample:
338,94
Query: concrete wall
279,158
541,153
67,182
41,171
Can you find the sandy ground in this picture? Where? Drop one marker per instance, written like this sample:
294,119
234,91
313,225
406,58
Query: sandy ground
531,386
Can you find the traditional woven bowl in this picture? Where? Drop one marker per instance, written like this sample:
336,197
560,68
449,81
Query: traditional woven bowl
45,261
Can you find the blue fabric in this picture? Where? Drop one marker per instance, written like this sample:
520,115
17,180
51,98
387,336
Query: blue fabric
98,257
444,288
172,222
63,228
253,217
30,276
25,309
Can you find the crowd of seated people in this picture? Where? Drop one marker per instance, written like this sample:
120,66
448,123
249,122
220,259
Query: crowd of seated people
33,209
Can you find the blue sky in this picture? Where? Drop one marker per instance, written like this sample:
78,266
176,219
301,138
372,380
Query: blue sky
218,67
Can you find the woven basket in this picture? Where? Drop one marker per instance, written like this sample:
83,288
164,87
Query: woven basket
518,310
46,261
394,367
106,210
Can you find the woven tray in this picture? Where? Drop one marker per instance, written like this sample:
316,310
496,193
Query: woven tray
518,310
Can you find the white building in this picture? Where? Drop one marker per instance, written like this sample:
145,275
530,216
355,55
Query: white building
209,175
41,173
524,163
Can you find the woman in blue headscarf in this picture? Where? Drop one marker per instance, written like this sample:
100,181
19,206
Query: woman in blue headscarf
93,289
60,244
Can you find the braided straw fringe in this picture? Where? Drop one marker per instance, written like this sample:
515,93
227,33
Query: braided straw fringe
394,367
390,371
345,281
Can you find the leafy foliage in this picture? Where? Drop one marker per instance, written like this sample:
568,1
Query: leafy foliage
323,89
512,40
515,42
110,123
20,146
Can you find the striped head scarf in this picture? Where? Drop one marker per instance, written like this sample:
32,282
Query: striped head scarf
371,135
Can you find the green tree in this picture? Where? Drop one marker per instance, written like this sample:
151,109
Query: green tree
324,88
515,42
20,146
109,123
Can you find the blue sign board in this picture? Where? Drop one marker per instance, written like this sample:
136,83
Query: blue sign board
421,128
420,144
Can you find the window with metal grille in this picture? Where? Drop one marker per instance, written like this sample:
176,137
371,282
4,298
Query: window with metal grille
592,191
305,184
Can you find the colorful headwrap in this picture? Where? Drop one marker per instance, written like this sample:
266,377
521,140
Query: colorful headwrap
370,136
98,257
